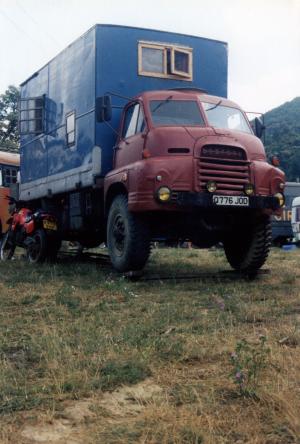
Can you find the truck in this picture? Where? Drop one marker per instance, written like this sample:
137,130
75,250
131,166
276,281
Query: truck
282,231
127,136
9,167
296,219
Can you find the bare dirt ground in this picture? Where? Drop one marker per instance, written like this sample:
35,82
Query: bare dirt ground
74,422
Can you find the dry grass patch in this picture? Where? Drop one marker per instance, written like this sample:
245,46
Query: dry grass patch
87,356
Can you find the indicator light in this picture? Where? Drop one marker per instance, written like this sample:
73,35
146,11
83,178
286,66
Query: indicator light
211,186
249,189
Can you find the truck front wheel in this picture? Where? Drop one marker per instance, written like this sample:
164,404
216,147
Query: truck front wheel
128,238
247,247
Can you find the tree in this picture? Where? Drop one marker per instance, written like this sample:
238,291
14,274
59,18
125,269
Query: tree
9,135
283,137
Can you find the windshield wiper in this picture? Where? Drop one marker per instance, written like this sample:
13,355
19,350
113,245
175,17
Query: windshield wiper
215,106
162,103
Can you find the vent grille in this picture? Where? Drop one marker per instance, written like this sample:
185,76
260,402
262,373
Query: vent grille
225,165
174,196
223,152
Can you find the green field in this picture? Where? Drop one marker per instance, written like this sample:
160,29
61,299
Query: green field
87,356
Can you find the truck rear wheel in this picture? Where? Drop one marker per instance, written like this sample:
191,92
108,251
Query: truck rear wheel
128,238
247,249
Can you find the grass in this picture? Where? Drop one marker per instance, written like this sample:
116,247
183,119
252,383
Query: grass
78,331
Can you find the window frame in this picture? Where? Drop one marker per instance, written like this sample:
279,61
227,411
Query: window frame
221,105
141,110
140,59
35,119
12,169
195,101
165,48
176,71
70,144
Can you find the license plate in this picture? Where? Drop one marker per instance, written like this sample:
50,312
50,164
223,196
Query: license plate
235,201
49,225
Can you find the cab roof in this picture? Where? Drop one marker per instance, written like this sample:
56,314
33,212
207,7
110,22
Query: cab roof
186,94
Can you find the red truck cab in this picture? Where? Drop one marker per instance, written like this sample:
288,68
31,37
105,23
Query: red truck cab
190,164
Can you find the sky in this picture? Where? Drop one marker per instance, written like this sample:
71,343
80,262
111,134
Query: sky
263,37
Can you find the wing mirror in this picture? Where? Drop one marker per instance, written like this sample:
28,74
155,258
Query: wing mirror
259,127
103,109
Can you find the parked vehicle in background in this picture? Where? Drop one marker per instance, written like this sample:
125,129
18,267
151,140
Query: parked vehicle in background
35,231
9,167
296,218
282,231
179,161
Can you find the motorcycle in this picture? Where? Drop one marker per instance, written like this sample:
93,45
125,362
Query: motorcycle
35,231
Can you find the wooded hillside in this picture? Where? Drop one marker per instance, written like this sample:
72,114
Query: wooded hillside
283,136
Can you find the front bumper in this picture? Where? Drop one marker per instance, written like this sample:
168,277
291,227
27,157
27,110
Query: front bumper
205,200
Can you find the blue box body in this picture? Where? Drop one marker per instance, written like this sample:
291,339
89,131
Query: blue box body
104,59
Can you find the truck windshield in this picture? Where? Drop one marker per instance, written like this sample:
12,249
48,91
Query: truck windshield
225,117
176,112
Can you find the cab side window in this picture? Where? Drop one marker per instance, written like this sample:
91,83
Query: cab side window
134,122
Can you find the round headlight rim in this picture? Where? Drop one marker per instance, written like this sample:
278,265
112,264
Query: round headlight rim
281,199
168,191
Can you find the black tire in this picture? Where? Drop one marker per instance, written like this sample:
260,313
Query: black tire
7,248
128,238
247,249
37,250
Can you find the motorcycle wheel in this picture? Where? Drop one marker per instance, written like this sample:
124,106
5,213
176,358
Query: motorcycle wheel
7,248
37,251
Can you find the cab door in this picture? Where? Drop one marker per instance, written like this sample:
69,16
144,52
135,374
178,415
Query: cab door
130,147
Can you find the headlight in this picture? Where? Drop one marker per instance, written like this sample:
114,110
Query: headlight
280,198
164,194
249,189
211,186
